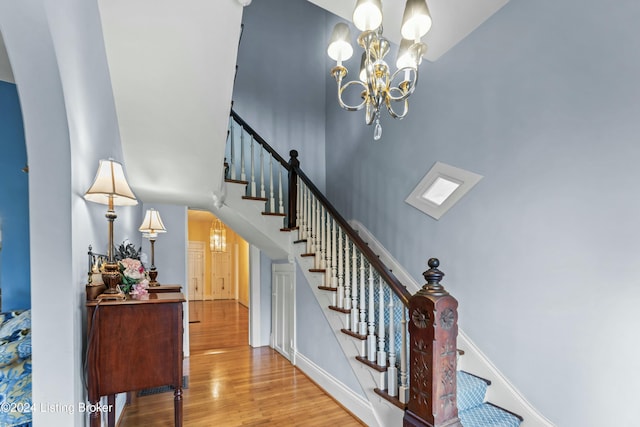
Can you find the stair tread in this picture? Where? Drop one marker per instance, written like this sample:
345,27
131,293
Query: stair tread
371,364
341,310
236,181
487,415
259,199
471,390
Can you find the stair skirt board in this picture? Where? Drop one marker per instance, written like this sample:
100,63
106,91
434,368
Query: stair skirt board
353,402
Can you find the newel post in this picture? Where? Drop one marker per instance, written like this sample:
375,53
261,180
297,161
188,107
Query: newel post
433,329
294,163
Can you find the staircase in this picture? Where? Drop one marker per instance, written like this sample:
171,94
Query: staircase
472,408
362,300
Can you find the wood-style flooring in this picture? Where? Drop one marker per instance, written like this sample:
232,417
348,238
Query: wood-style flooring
233,384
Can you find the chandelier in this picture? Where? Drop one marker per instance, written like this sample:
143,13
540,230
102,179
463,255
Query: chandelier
378,86
218,237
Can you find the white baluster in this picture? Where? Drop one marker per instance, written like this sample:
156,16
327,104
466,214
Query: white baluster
272,201
371,338
327,254
298,206
334,260
347,284
280,204
323,238
302,216
263,193
392,371
233,155
340,269
253,175
403,391
311,238
243,175
307,216
318,235
363,312
354,289
382,355
333,280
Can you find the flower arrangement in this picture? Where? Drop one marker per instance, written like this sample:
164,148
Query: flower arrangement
134,277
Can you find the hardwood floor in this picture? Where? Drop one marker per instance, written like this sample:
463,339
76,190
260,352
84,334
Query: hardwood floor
232,384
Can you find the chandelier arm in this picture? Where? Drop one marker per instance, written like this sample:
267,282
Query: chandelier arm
392,113
346,106
406,87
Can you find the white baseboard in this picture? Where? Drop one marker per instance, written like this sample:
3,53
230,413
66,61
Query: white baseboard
352,401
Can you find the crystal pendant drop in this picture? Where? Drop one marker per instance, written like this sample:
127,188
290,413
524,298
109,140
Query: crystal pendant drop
377,131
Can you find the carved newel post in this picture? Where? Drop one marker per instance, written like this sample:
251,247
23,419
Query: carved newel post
433,329
294,163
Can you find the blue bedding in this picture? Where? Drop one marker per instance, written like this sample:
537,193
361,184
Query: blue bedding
15,369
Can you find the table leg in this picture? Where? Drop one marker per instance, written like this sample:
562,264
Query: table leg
94,415
177,407
111,401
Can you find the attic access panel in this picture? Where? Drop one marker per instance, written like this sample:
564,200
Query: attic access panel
441,188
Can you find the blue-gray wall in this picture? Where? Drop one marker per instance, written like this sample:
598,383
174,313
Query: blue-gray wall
171,247
315,339
542,100
15,274
279,88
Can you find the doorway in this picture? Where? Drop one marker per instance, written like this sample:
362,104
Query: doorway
218,276
196,271
222,287
283,309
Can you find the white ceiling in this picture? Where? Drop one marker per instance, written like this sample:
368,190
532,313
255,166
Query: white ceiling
172,66
453,20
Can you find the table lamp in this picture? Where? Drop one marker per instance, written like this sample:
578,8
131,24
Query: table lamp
151,226
110,188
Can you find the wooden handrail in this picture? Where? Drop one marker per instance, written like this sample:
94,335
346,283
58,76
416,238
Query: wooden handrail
293,167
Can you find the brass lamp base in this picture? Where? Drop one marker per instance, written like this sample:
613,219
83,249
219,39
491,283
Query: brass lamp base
111,278
119,296
153,273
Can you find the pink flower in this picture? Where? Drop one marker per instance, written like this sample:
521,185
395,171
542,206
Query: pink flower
140,289
133,268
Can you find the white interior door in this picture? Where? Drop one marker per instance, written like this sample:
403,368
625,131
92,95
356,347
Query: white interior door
196,270
221,276
283,309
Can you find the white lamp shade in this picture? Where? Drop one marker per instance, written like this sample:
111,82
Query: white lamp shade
339,46
410,54
416,21
405,56
367,15
110,183
152,223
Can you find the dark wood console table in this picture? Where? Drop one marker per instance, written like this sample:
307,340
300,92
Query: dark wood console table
134,344
165,288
